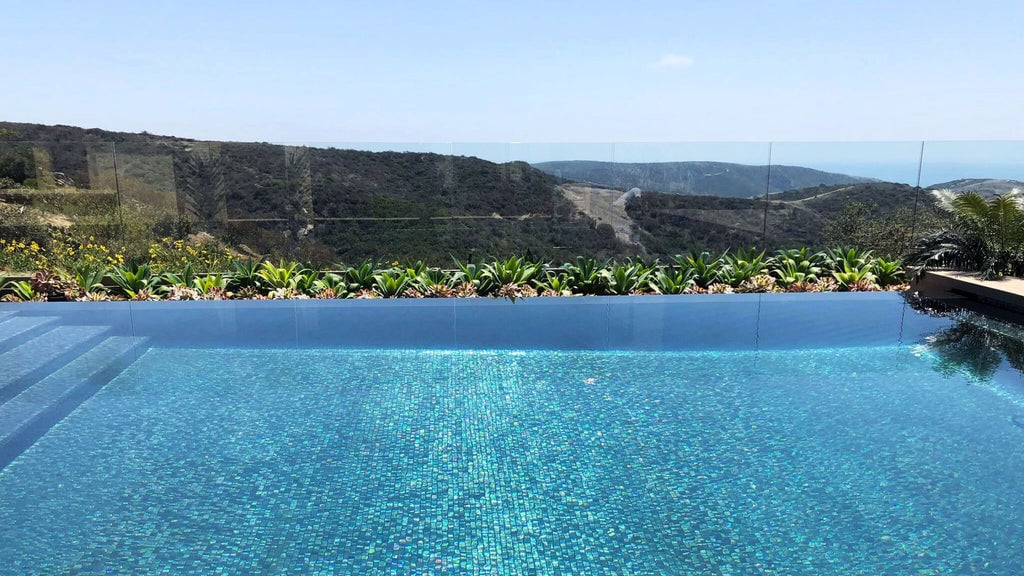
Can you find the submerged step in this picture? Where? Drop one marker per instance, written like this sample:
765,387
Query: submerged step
31,361
16,328
96,366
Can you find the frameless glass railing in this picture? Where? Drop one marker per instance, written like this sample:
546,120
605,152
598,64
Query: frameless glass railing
346,202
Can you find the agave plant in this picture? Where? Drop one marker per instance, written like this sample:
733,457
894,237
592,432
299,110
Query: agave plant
361,277
245,274
839,259
430,282
390,284
554,284
283,276
330,285
629,278
89,278
986,236
470,277
742,266
888,272
584,276
707,269
186,278
306,281
211,286
509,274
796,266
671,280
854,275
136,281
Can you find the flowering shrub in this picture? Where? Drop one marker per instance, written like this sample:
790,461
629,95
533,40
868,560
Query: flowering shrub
169,254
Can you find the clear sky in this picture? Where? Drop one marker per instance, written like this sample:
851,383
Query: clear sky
524,71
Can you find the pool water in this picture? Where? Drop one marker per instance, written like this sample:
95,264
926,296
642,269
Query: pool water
862,460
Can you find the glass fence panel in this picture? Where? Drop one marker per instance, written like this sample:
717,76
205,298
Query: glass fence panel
828,194
58,205
434,202
689,197
985,235
377,201
986,167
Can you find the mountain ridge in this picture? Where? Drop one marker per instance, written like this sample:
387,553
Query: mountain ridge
702,178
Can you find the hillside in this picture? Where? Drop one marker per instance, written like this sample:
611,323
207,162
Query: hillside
872,215
326,204
695,178
984,186
330,205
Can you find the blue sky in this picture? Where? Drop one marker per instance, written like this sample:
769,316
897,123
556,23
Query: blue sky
526,71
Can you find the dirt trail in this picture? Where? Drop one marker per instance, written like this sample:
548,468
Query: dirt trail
599,204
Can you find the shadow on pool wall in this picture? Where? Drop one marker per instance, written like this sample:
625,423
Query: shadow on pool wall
696,322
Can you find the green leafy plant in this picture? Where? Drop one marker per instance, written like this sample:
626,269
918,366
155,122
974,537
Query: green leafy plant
430,282
388,284
211,286
330,285
554,284
985,236
471,274
245,273
23,291
512,272
629,278
284,275
707,269
796,266
888,272
186,278
584,276
361,277
839,259
89,278
136,281
854,277
671,280
742,266
306,281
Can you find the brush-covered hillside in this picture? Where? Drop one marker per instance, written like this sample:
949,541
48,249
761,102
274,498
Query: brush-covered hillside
878,216
324,204
696,178
328,205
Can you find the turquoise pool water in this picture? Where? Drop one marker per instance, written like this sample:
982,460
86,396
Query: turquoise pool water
898,459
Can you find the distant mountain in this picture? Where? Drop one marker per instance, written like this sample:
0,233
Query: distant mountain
664,223
697,178
984,186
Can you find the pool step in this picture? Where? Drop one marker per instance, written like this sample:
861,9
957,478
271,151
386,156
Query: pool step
26,417
34,359
15,329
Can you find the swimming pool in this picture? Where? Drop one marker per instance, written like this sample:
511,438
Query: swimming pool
719,435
